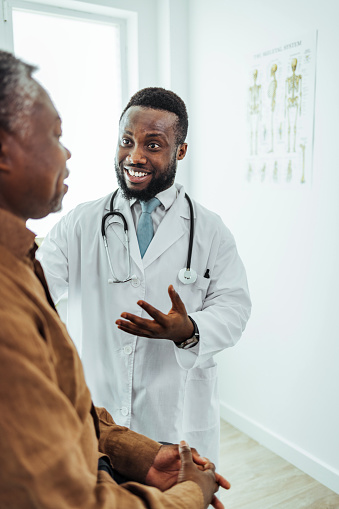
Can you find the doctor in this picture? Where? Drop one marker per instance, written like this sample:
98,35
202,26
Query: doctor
148,344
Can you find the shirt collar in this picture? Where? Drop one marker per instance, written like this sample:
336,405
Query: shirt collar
14,235
166,197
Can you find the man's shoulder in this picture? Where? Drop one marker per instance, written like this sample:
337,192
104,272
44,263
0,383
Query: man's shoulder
206,220
17,280
197,206
210,223
87,211
89,207
208,215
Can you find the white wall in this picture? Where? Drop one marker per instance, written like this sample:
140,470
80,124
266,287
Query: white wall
280,383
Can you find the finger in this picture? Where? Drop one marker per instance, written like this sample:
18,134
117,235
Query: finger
157,315
144,323
222,481
185,452
177,303
136,333
133,329
199,460
216,503
133,322
209,466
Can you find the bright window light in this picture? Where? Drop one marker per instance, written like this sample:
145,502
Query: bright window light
79,64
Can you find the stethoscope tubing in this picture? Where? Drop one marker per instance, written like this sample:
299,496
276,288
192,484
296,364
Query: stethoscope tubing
190,244
112,212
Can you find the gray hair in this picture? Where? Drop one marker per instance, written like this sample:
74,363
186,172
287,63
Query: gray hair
18,93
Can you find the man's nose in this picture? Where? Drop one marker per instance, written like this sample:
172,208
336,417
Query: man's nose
68,153
136,156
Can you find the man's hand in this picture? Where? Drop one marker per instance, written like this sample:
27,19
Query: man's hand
175,325
167,466
206,478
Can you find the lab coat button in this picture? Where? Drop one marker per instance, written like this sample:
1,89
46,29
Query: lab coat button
124,411
135,282
128,349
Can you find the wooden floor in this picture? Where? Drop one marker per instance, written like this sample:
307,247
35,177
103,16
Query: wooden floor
262,480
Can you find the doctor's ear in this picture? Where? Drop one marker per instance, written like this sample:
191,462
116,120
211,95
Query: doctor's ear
4,151
181,152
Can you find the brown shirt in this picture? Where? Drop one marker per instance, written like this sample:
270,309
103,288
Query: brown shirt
48,445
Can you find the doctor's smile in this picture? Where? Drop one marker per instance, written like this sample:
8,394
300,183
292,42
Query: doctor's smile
136,174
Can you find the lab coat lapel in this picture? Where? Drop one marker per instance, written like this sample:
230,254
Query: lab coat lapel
122,205
171,228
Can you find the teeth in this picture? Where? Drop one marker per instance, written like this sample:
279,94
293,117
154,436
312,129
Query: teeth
136,173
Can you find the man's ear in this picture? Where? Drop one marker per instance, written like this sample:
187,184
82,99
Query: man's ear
4,151
181,152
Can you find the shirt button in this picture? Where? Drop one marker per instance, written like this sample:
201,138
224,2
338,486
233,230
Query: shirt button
135,282
128,349
124,411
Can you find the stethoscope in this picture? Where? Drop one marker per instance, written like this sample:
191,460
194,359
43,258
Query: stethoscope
186,275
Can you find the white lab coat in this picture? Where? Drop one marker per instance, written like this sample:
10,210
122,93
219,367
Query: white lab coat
150,385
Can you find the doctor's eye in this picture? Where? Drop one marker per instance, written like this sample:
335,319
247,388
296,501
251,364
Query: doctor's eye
154,146
125,141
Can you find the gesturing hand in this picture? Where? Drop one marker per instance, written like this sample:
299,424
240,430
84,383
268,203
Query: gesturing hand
175,325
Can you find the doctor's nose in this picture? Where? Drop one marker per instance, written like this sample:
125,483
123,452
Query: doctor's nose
136,156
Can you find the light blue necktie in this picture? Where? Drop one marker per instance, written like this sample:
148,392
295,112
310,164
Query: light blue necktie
145,225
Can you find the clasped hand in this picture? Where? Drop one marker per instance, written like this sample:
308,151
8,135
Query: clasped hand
175,464
175,325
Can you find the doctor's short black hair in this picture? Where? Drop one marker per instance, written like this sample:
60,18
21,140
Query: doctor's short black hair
162,99
18,92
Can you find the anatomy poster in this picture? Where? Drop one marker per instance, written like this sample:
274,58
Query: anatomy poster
280,113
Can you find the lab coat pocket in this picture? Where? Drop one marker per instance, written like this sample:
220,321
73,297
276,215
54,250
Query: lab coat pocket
202,283
201,405
194,295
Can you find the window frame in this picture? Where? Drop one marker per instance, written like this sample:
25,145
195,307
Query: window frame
81,11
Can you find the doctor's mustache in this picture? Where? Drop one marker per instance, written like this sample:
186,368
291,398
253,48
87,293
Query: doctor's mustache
137,165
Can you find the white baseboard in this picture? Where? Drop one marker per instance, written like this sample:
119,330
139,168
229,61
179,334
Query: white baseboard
309,464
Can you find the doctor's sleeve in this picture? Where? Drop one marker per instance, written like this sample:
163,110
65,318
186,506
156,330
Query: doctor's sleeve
53,256
225,309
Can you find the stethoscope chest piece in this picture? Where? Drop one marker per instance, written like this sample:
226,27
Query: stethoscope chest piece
187,276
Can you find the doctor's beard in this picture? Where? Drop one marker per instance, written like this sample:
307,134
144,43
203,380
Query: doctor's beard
157,184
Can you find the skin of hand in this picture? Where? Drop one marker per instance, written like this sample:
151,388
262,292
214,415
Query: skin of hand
175,325
205,478
167,466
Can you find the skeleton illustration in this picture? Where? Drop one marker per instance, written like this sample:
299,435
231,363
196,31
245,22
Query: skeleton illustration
254,112
293,91
272,92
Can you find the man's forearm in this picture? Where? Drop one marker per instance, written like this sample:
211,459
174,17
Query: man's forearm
131,454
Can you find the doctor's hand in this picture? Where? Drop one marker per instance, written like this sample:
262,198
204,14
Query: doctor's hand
167,470
175,325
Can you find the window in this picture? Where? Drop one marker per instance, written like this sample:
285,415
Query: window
80,60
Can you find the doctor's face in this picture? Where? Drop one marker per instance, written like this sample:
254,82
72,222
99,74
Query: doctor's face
147,152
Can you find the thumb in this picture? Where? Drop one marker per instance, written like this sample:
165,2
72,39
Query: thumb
177,303
185,453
